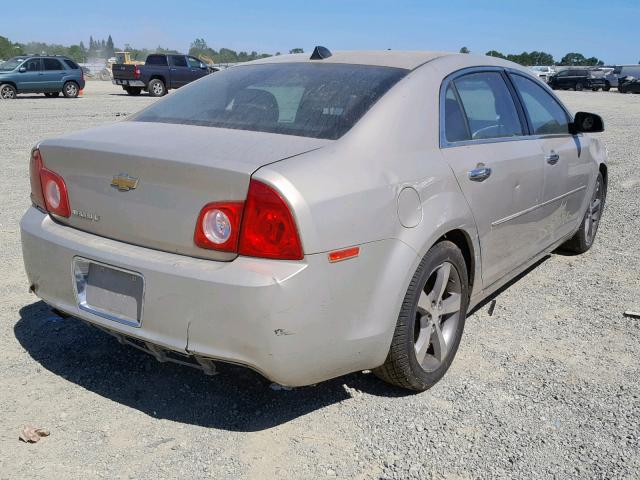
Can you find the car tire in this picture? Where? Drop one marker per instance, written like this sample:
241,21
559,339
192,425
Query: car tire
607,87
7,92
594,89
431,321
157,88
586,234
133,90
578,87
71,90
52,94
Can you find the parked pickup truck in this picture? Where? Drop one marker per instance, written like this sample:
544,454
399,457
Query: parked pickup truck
159,74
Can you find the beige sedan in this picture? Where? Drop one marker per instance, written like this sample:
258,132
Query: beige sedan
308,217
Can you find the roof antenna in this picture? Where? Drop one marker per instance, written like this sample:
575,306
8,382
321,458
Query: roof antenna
320,53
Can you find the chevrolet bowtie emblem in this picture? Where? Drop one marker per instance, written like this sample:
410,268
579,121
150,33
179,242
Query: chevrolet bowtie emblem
124,182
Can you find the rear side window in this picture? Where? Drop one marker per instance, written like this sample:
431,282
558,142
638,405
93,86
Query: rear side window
178,61
52,64
71,64
488,106
304,99
546,115
156,60
455,123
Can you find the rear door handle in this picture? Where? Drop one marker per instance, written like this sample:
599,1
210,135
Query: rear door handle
552,158
479,174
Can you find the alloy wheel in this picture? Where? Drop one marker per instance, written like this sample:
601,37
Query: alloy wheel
437,316
72,90
592,218
7,92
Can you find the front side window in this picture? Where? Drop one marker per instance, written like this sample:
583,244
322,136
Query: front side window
194,62
33,65
303,99
546,115
11,64
488,106
52,64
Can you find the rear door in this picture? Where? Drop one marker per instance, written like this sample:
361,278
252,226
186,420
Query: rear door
500,175
180,71
568,166
54,73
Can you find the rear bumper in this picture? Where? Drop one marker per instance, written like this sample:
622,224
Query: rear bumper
128,83
297,323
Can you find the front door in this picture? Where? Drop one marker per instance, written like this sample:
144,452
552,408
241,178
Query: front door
500,173
568,166
31,79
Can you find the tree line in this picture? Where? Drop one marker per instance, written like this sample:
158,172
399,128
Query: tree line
105,49
534,58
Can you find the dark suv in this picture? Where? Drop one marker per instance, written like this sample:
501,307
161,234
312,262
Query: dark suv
46,74
578,79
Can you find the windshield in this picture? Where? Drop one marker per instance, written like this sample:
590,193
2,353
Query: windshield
304,99
11,64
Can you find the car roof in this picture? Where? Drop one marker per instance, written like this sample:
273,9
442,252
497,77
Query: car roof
406,59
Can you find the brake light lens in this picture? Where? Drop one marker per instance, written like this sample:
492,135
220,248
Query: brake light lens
268,227
218,226
48,190
136,72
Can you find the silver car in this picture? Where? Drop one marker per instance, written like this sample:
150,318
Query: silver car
311,217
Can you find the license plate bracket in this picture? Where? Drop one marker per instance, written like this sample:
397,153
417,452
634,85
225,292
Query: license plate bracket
110,292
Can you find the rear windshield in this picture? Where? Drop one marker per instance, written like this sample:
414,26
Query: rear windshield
303,99
156,60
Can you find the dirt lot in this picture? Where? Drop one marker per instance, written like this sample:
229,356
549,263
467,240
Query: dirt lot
548,387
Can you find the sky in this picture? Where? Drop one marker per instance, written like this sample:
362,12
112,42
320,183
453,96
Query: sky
607,30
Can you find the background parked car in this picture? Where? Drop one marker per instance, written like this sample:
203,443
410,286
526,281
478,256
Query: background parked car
622,71
629,84
542,72
159,74
578,79
40,74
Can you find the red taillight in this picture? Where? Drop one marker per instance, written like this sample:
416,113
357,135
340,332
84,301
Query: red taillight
263,226
218,226
48,190
268,228
136,72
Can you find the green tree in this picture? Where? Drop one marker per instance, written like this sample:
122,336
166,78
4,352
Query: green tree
296,50
495,53
465,50
76,53
109,50
577,59
9,49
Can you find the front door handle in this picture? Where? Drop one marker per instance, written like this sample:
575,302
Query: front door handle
479,174
552,158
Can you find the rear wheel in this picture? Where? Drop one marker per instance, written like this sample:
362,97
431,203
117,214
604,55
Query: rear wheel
71,90
586,234
578,87
607,87
157,88
431,321
133,90
7,92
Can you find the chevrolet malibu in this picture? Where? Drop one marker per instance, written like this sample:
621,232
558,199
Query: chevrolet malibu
308,217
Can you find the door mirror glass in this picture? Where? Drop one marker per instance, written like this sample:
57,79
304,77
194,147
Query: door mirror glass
22,69
587,123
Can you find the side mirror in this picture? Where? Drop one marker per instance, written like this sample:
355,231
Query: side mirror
22,69
203,66
587,123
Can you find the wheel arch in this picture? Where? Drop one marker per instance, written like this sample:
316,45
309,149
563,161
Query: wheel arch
462,240
12,83
158,77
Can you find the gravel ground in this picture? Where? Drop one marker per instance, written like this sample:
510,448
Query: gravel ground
547,387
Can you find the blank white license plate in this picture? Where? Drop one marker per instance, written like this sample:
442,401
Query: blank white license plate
110,292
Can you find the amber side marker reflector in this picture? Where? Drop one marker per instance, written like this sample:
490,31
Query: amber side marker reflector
345,254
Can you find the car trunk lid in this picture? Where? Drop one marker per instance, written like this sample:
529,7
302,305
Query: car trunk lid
145,183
